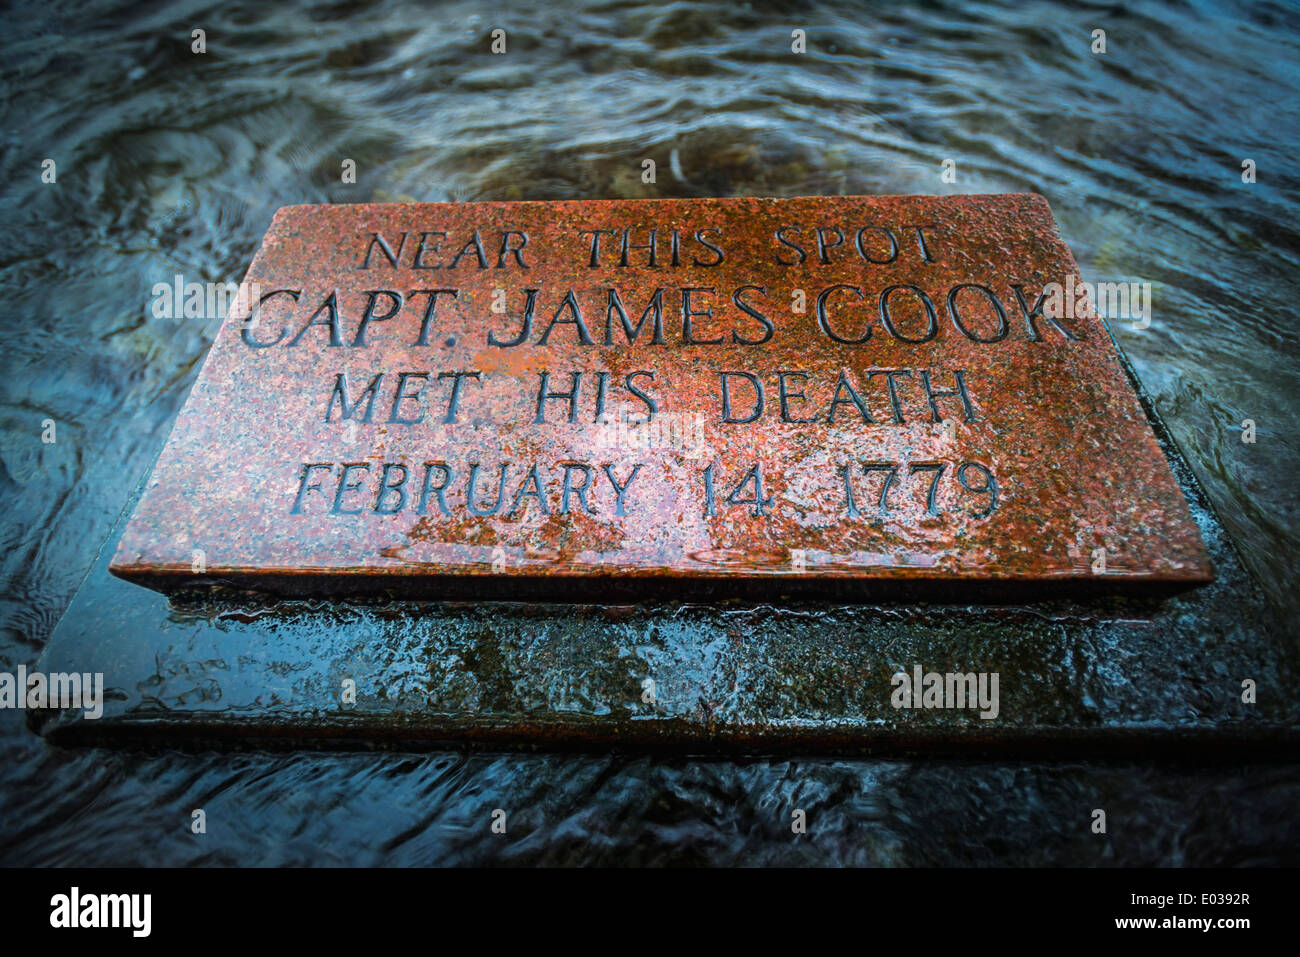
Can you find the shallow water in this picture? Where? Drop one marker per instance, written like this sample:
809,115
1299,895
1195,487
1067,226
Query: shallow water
172,163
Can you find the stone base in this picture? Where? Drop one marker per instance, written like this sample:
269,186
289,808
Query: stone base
1082,675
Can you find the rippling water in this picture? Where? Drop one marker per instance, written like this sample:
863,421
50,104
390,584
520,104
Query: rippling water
170,163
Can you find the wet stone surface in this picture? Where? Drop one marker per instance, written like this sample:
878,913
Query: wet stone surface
891,397
1153,659
1099,675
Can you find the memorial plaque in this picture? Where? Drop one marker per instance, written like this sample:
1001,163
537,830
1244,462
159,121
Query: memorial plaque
545,398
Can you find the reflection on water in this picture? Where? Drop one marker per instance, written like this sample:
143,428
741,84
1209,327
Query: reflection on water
170,162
